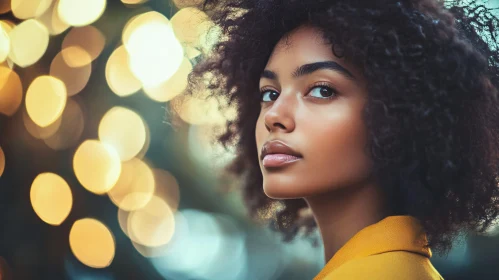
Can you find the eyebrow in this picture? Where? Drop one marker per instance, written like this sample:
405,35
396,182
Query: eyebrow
310,68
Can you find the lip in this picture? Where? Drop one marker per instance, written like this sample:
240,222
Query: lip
276,153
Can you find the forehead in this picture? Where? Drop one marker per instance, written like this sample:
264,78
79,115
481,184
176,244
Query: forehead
302,45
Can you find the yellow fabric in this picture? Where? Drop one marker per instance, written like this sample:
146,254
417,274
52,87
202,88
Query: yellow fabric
392,248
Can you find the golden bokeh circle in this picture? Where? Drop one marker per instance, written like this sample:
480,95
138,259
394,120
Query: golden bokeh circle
74,77
135,187
45,100
119,77
52,21
152,225
51,198
80,13
124,130
92,243
97,166
24,9
174,86
88,38
11,91
28,42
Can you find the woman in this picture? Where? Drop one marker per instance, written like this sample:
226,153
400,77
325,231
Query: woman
379,117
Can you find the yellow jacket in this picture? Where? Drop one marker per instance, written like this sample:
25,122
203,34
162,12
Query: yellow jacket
389,249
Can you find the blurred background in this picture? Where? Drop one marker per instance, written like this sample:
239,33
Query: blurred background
97,181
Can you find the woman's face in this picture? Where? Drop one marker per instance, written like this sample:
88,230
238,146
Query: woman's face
311,108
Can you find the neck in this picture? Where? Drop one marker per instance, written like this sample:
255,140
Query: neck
342,213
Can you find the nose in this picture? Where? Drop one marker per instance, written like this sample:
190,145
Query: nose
280,116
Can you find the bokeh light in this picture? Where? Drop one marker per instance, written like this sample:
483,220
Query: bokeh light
97,166
11,91
155,53
51,198
124,130
119,77
189,25
92,243
187,3
167,188
24,9
52,21
153,225
81,13
87,38
174,86
74,75
4,44
2,161
70,129
135,187
28,42
37,131
45,100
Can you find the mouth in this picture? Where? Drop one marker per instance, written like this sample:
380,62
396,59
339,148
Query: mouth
277,154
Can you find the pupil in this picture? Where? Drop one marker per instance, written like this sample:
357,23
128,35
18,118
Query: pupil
273,95
324,92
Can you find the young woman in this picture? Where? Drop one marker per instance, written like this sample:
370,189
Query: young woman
379,117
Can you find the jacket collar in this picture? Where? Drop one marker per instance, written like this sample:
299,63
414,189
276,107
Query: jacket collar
393,233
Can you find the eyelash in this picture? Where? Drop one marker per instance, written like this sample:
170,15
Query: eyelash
316,85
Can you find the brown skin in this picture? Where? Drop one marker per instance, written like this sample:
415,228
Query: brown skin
334,173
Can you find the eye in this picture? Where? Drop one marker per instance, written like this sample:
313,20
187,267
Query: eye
323,92
268,95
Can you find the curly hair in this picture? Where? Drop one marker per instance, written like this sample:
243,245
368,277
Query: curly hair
432,70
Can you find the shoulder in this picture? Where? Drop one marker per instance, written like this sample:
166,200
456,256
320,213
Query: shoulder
387,266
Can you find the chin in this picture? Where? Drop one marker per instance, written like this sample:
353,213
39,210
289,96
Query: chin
282,190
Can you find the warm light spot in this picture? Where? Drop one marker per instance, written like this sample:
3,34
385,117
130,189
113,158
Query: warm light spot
155,53
24,9
37,131
187,3
118,74
51,198
87,38
135,187
7,25
11,91
52,21
70,129
139,20
92,243
4,44
123,220
189,25
75,78
28,42
197,111
81,13
97,166
124,130
167,188
45,100
2,161
152,225
173,86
